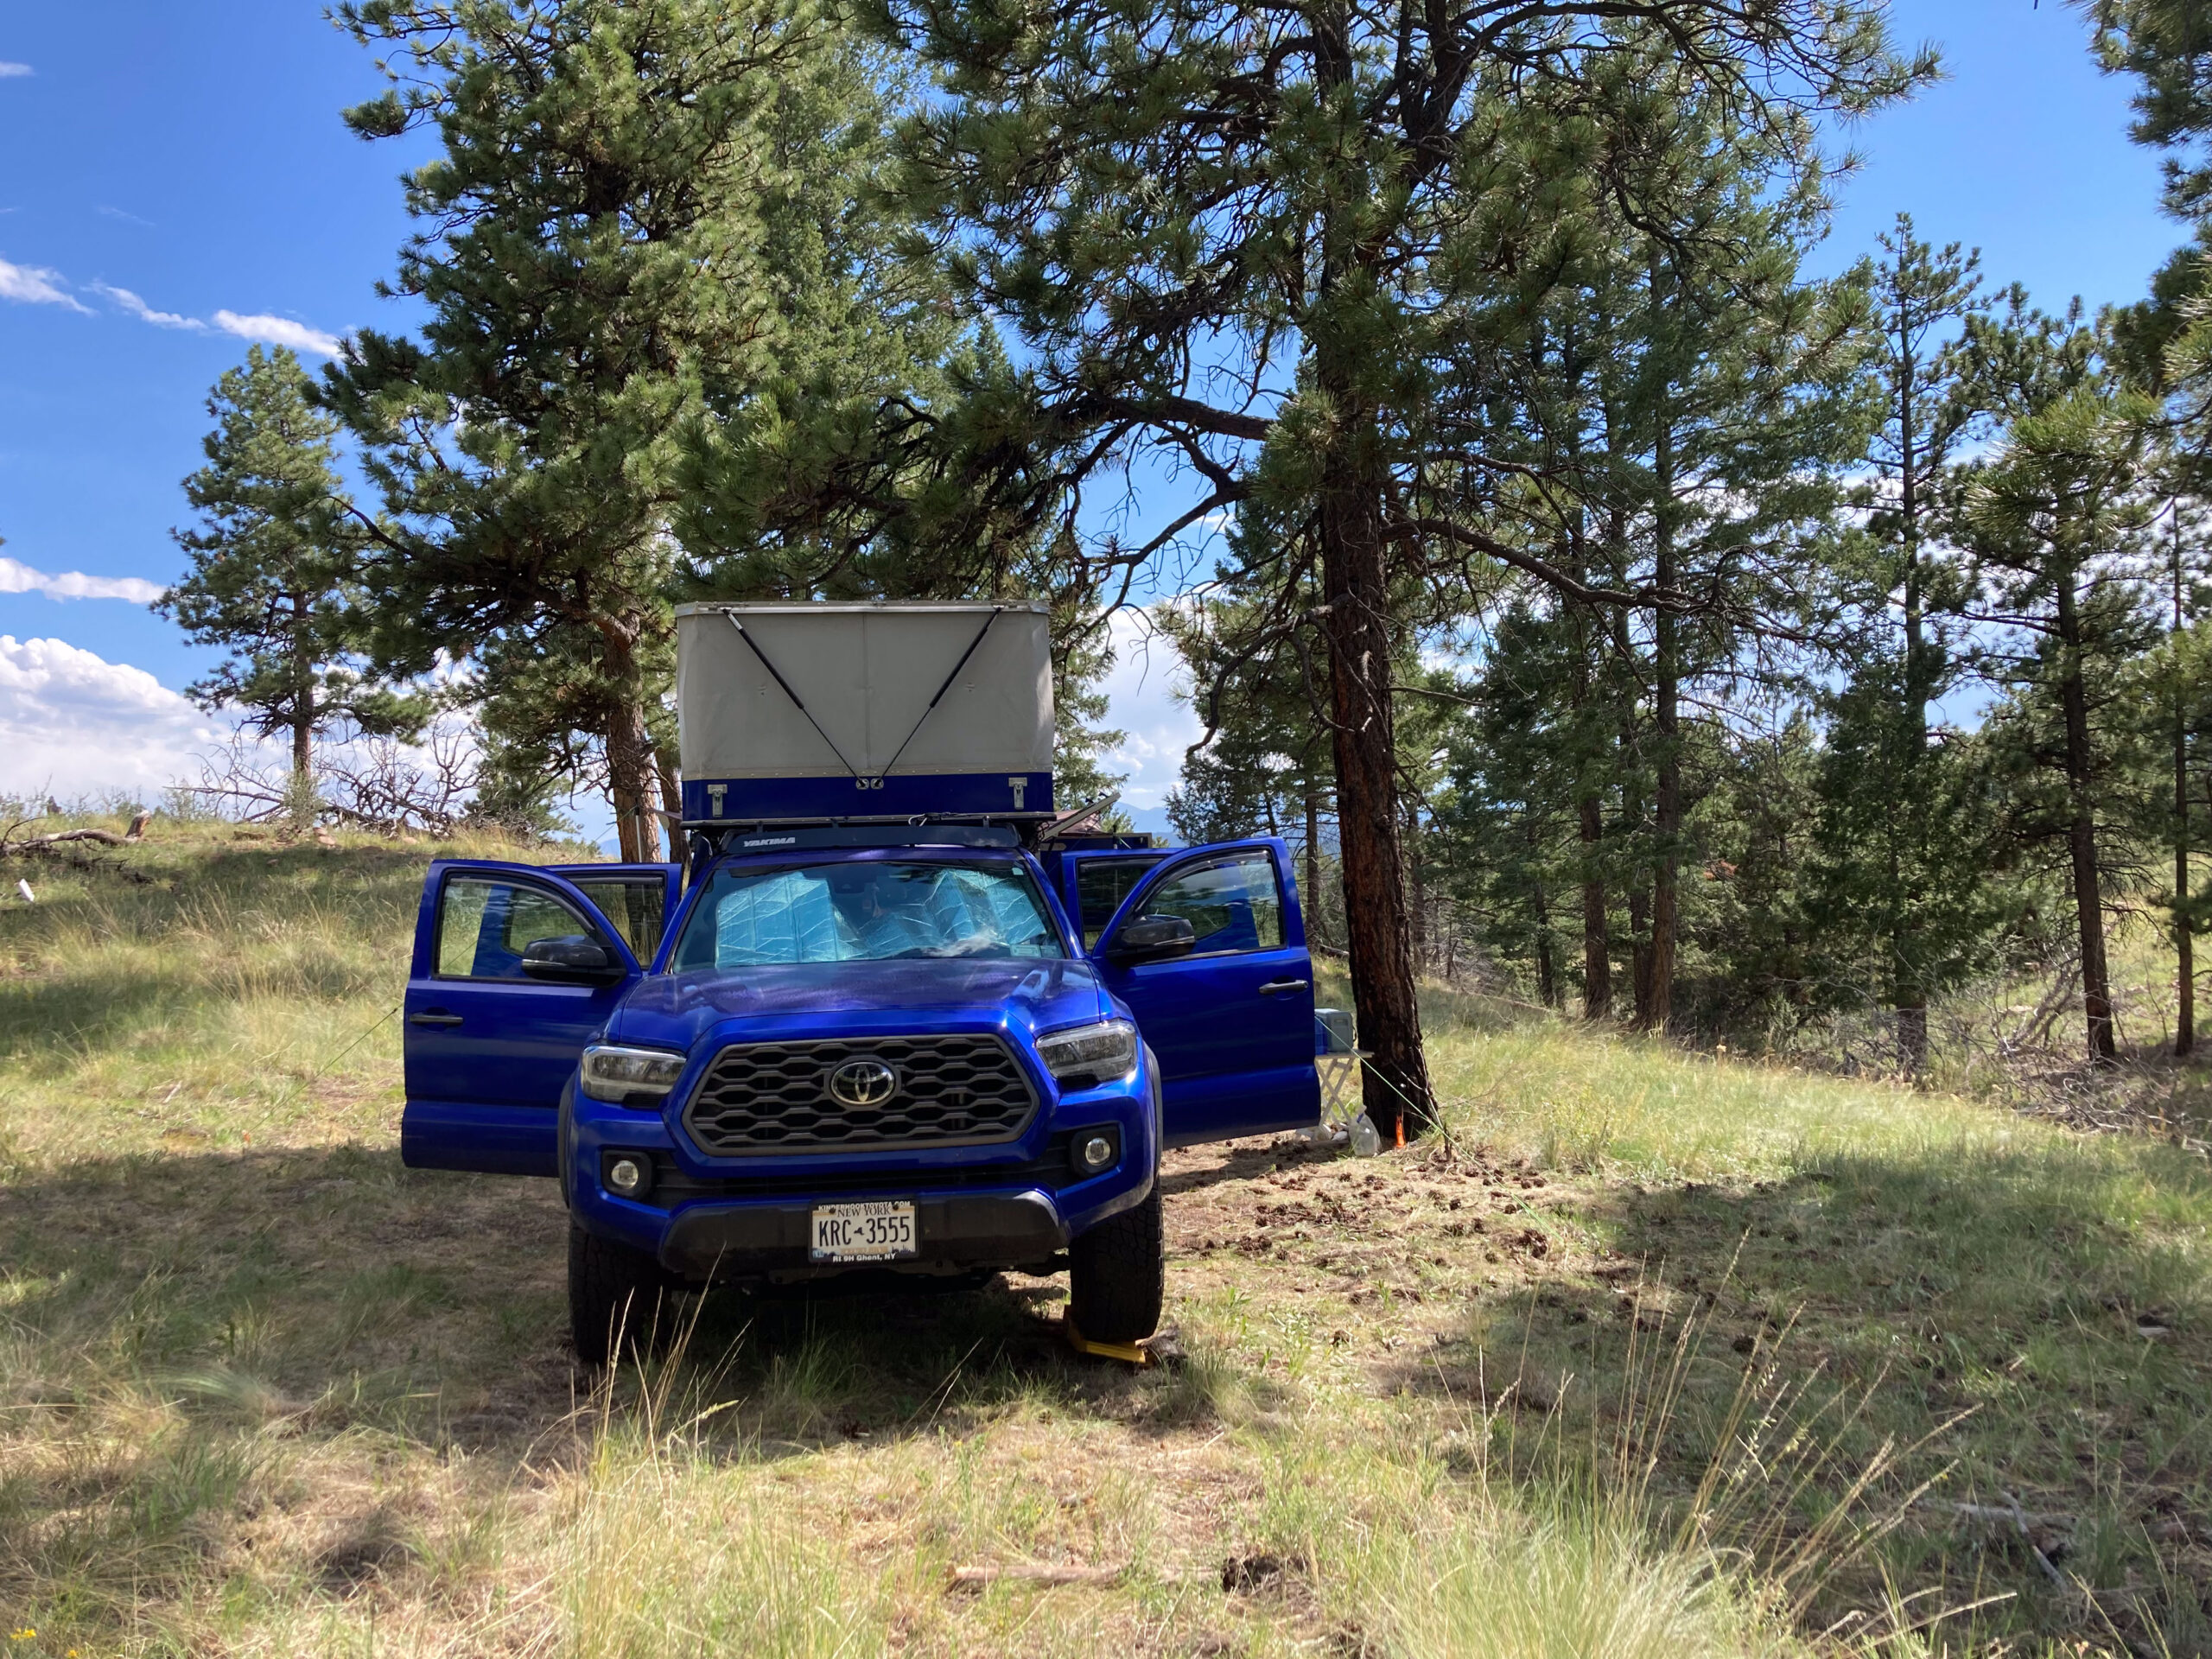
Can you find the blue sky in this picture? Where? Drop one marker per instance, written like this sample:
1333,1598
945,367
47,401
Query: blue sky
182,184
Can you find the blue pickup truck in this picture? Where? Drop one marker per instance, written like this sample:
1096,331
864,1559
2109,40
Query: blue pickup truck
913,1049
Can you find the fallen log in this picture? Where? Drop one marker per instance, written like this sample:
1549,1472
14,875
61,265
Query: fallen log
37,843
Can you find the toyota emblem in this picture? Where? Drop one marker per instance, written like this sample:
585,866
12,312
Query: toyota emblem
863,1082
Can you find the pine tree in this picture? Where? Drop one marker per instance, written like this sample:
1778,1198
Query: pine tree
2176,685
2167,45
646,219
1757,953
1896,884
1899,890
2054,518
1507,823
2163,342
1746,398
274,567
1723,405
1231,232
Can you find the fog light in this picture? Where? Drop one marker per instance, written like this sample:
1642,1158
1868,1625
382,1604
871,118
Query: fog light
1093,1152
625,1176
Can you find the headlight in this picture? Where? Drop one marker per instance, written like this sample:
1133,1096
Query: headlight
1086,1055
629,1077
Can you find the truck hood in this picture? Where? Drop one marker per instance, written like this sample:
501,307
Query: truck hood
677,1010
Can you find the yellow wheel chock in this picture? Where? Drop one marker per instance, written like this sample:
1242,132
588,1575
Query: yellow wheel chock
1130,1353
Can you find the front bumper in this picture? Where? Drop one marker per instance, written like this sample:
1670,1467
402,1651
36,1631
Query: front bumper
1015,1204
974,1229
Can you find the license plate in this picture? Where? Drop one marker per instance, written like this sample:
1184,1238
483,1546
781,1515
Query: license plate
863,1232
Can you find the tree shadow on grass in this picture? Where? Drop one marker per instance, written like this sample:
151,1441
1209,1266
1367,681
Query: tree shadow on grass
335,1288
196,1348
2023,1328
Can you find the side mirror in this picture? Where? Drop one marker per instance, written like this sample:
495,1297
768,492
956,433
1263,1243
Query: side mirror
572,959
1152,938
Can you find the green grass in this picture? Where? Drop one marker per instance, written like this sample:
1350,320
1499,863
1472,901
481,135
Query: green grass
1653,1353
2022,1312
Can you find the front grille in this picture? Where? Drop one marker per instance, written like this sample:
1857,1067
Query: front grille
1051,1170
954,1091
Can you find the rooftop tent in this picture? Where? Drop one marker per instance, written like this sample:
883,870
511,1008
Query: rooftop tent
887,711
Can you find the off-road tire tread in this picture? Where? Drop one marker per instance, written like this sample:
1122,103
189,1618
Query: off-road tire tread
613,1287
1117,1273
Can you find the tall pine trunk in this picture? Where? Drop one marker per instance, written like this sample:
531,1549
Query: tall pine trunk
1378,935
1909,995
2082,831
1655,1006
630,774
2184,935
1639,887
2185,939
1418,920
1596,948
303,708
1628,769
671,800
1313,927
1547,972
1639,952
1356,592
1912,1032
1548,986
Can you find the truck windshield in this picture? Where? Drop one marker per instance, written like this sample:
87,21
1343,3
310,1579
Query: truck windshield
864,912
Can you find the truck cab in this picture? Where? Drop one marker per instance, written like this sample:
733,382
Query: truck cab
855,1052
906,1049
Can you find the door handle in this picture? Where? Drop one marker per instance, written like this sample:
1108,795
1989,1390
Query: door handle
1275,985
433,1018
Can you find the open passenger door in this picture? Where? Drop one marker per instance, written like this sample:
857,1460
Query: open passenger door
638,900
515,968
1094,882
1230,1016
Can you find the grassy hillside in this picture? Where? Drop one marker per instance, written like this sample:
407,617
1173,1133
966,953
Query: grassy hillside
1650,1354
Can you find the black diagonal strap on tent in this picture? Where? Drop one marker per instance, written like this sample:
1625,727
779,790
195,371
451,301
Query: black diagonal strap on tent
794,697
947,686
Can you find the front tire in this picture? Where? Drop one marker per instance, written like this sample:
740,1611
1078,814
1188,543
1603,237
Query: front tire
615,1296
1117,1273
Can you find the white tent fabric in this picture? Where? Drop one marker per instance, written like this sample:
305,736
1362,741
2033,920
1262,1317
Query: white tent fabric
866,674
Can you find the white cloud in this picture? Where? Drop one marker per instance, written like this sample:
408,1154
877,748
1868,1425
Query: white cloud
37,285
19,578
73,723
1142,699
34,285
12,71
278,331
145,313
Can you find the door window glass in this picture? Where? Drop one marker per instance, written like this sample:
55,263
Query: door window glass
632,907
1231,903
484,926
1101,884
